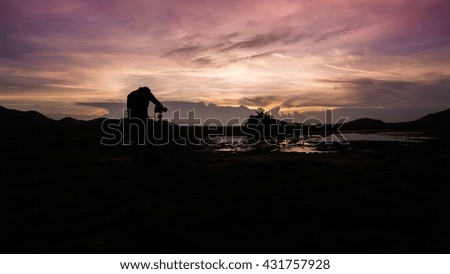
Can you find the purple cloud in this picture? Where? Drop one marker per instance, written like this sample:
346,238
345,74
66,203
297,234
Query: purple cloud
252,52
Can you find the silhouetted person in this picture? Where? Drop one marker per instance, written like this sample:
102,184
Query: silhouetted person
137,105
138,101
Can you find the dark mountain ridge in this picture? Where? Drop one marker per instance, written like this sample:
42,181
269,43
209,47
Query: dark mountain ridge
16,118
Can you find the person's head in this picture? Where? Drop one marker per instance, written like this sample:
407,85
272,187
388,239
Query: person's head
145,89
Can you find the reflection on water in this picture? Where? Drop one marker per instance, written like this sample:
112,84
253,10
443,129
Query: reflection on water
235,149
311,144
303,149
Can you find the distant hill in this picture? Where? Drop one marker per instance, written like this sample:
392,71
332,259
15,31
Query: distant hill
17,118
431,121
69,121
11,117
366,122
441,119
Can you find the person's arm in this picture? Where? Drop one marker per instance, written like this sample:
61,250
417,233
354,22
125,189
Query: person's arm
157,103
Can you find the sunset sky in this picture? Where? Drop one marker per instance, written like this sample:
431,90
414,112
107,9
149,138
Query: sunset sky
388,58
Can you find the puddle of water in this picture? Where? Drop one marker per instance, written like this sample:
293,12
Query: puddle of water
303,149
292,148
235,149
310,145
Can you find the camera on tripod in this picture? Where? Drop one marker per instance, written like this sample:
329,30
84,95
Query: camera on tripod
159,110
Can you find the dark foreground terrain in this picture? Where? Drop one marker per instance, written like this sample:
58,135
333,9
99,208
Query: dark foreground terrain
62,192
